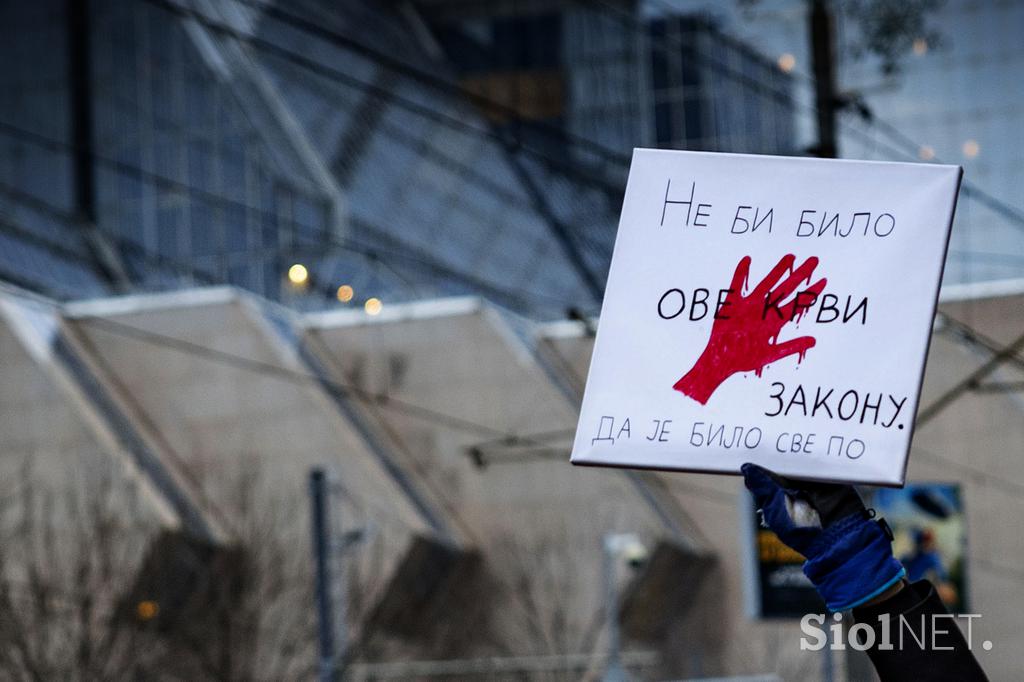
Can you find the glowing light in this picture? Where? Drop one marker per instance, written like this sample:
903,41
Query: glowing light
373,306
298,274
926,153
787,62
920,46
147,610
971,148
345,293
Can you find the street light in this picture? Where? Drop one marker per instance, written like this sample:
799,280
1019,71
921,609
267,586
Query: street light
331,597
298,275
617,546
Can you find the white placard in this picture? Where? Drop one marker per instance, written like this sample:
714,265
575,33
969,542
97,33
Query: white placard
767,309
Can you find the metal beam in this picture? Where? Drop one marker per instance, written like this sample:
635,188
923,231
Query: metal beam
559,229
258,95
970,382
105,258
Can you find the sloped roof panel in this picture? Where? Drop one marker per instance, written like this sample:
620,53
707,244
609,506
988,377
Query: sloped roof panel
211,377
51,449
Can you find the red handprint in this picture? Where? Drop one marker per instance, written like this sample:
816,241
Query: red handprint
744,336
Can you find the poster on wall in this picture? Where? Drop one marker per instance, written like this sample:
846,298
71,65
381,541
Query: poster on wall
782,590
765,309
929,538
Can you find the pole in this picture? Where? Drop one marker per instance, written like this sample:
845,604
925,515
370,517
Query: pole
827,671
83,175
826,103
614,672
322,559
80,81
825,100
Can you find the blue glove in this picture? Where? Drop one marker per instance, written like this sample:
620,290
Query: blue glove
849,554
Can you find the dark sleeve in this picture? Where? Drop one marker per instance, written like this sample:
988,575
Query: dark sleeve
927,644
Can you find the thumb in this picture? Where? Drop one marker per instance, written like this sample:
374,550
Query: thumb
769,495
760,482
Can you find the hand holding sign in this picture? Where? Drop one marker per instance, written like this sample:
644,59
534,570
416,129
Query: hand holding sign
744,337
849,554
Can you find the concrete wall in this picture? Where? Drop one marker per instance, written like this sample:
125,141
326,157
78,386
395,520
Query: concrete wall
446,423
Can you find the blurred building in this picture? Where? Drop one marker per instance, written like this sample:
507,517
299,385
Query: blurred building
951,96
615,77
169,438
969,430
405,151
159,427
946,101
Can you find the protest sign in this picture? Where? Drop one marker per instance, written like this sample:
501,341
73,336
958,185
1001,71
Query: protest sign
767,309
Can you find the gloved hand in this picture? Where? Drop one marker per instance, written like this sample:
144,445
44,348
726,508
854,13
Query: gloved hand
849,554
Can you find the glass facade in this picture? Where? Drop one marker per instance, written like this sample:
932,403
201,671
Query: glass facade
405,154
714,93
959,102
